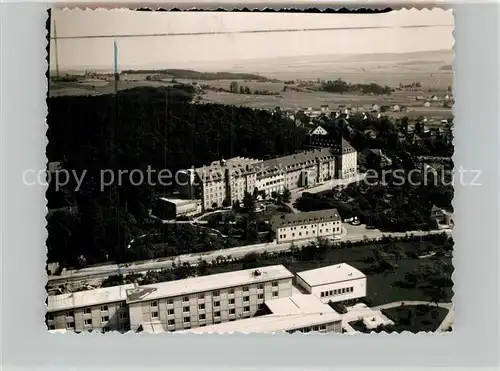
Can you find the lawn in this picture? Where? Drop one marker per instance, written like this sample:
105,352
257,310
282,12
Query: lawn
415,318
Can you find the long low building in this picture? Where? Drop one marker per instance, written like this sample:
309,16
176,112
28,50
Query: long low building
306,225
299,313
335,283
206,300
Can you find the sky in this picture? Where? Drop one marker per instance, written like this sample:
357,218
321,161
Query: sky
395,32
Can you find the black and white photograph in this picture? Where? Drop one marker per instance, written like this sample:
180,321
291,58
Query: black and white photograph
250,172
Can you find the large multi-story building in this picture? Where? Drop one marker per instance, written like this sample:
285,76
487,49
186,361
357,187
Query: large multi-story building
346,157
226,182
334,283
303,169
306,225
207,300
102,309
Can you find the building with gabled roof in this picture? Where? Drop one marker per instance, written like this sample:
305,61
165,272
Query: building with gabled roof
306,225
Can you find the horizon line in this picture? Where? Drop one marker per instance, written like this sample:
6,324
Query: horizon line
241,32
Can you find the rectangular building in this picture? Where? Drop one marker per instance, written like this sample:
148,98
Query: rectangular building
222,183
304,169
306,225
207,300
334,283
171,208
101,309
301,313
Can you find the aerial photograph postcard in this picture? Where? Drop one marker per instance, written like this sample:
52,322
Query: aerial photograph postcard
225,172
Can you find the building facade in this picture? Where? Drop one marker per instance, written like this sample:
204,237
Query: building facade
346,157
207,300
304,169
220,183
335,283
101,310
225,182
306,225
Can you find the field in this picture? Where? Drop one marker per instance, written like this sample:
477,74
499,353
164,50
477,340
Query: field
430,69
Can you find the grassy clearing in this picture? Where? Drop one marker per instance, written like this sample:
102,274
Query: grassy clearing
415,318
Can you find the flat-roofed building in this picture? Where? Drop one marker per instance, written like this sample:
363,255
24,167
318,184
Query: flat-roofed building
335,283
302,313
306,225
171,207
202,301
101,309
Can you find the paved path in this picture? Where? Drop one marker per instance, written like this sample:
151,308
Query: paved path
209,256
395,304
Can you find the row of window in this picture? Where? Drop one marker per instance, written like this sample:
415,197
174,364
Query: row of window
313,232
313,220
272,182
216,304
202,317
71,313
216,294
306,330
70,323
345,290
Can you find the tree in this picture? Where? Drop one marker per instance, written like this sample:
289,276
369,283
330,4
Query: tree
233,87
286,195
242,90
255,193
247,90
248,202
226,203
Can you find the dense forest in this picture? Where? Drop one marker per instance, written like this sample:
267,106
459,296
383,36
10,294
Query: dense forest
137,129
340,86
195,75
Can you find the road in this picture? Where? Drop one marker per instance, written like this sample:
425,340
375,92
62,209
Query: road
357,234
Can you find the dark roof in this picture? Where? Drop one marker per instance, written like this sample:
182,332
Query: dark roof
376,152
338,147
295,161
343,147
305,218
